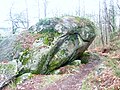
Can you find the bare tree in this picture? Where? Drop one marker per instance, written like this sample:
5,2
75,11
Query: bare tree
11,19
109,16
27,17
18,20
84,13
106,22
118,5
45,7
79,7
100,24
112,16
38,9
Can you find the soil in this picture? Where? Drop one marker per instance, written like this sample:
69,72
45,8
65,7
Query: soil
62,81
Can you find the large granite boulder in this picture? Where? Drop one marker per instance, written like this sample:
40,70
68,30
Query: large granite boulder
47,45
62,40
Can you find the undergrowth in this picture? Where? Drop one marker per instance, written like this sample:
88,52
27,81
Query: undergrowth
114,64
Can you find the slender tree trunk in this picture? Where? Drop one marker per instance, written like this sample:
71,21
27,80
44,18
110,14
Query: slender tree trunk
79,7
107,27
84,8
100,25
119,27
27,16
38,9
118,5
45,8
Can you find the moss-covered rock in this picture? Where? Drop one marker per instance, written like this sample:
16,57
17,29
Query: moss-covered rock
7,71
49,44
22,78
62,41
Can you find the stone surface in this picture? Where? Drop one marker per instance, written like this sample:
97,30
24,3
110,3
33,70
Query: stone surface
71,77
6,48
7,70
62,41
48,45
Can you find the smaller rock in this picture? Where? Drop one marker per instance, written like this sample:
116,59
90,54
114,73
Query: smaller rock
7,71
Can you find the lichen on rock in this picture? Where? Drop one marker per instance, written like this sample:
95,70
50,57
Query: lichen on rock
7,71
51,43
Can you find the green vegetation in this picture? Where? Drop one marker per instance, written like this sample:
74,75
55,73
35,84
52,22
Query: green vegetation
8,69
84,59
86,83
24,58
117,72
12,85
53,49
22,78
76,63
48,36
113,63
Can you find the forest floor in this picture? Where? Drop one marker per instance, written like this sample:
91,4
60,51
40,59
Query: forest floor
103,74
